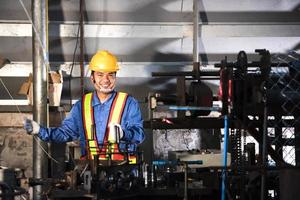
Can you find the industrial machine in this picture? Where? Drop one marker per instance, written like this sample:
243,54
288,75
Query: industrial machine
261,100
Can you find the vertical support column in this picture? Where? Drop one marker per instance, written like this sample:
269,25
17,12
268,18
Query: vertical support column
40,88
180,91
196,64
278,136
264,177
186,186
278,145
297,141
195,31
82,47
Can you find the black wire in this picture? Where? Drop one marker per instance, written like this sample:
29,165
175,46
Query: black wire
73,61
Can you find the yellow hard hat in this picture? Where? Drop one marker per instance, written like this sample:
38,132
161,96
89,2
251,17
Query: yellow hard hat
104,61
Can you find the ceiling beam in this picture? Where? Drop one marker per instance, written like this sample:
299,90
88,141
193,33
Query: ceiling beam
166,30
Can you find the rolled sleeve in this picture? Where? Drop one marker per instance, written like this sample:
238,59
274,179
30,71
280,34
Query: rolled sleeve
68,131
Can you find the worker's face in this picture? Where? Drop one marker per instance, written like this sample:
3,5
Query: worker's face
104,82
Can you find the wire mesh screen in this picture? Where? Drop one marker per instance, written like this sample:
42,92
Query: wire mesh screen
284,105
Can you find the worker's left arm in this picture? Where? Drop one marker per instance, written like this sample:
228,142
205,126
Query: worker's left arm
132,122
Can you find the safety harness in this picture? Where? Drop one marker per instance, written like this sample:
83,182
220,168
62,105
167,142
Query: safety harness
107,151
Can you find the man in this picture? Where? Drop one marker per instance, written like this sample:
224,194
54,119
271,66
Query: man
105,121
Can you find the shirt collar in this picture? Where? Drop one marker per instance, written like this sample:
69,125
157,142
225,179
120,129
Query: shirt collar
96,101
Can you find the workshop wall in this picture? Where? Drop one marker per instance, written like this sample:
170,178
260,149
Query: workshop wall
16,149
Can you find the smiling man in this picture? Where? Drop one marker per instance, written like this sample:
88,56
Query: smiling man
107,123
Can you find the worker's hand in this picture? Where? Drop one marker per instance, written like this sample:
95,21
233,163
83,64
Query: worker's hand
31,126
115,133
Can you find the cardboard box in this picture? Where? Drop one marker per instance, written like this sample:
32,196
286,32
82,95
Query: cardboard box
55,88
27,89
55,80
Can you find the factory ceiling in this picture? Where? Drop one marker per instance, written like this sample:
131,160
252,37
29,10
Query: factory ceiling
147,35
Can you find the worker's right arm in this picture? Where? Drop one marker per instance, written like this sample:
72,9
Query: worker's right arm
68,131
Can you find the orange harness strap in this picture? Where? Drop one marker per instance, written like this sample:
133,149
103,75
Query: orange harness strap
115,116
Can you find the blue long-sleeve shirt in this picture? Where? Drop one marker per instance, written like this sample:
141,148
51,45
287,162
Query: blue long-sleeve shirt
72,126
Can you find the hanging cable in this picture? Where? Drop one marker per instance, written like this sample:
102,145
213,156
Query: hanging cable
73,62
45,54
7,90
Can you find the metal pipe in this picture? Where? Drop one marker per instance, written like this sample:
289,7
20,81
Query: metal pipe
81,47
185,197
264,146
195,108
40,86
186,73
252,64
196,64
195,31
